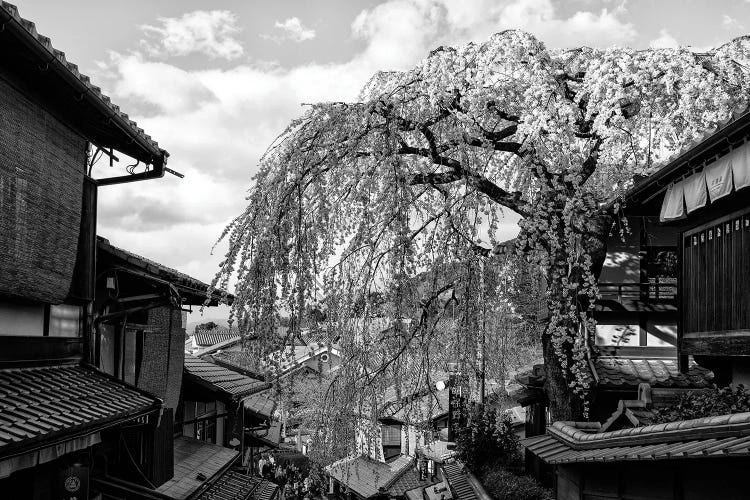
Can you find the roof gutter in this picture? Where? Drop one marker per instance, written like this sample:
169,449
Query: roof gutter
157,156
154,173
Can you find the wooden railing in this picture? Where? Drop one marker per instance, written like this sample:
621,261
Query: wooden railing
656,291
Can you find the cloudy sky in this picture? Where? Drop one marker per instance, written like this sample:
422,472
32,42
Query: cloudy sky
215,82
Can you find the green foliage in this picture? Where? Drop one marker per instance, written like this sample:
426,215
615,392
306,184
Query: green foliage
489,438
717,401
502,484
489,445
206,326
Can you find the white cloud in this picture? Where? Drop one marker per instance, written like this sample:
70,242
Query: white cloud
664,41
292,29
216,123
730,23
602,29
399,32
206,32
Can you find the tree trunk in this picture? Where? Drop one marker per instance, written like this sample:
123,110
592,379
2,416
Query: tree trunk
564,404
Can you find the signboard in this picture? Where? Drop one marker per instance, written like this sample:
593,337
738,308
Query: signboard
457,410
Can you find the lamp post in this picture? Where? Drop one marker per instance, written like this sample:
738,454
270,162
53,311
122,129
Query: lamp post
483,373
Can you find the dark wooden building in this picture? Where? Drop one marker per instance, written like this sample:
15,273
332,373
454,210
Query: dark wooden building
61,418
91,363
697,212
701,200
697,459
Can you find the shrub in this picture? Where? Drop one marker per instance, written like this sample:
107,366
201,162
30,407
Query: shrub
502,484
488,438
709,403
489,445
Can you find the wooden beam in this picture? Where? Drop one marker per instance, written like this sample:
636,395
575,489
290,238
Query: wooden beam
726,343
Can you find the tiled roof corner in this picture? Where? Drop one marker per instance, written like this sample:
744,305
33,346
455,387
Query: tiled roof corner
53,401
193,458
710,437
152,267
210,338
58,55
579,434
260,404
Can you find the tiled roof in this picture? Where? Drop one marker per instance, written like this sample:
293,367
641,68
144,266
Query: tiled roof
270,436
208,338
408,481
366,476
236,486
631,413
458,480
239,361
555,452
191,458
48,403
618,372
265,490
709,437
195,289
58,57
220,379
260,404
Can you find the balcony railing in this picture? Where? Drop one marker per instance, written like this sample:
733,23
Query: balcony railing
655,290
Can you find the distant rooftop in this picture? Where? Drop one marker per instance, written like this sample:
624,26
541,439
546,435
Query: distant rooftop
210,338
220,379
365,476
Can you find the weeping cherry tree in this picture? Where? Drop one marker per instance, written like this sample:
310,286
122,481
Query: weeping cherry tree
400,195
